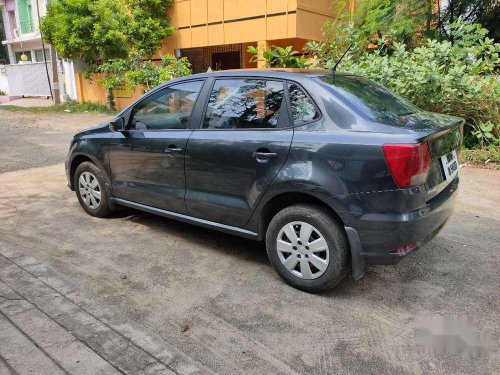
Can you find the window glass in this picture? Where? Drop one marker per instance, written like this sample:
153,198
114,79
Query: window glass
39,55
169,108
19,54
244,104
374,100
303,109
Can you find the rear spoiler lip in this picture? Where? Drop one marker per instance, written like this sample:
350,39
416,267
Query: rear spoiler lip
445,130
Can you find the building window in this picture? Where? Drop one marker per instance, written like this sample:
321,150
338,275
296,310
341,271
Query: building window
25,16
19,54
39,55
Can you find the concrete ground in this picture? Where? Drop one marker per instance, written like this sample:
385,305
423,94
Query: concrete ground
138,294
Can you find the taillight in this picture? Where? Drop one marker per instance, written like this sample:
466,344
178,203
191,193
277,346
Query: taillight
409,163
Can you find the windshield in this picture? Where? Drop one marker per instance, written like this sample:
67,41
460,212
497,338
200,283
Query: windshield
373,100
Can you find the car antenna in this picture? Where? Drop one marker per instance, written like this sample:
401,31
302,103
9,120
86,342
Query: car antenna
334,68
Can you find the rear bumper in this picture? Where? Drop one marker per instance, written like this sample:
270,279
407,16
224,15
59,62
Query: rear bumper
374,237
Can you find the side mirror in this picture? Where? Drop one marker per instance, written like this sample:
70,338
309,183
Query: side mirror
117,124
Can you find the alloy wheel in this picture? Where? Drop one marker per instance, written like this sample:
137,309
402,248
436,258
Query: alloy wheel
303,250
90,190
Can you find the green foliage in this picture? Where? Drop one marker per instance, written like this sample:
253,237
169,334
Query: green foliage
100,30
67,107
149,25
279,57
488,156
132,72
407,21
455,78
484,12
92,31
150,74
104,33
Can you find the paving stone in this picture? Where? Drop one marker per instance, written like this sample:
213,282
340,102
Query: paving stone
22,355
58,343
79,334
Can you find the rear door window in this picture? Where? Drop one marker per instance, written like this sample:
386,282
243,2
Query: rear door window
303,109
244,104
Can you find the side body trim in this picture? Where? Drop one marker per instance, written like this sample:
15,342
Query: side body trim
189,219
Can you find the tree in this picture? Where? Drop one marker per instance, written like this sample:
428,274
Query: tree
372,21
484,12
149,25
100,31
92,31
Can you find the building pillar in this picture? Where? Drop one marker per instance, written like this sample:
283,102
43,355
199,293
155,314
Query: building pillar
261,46
10,52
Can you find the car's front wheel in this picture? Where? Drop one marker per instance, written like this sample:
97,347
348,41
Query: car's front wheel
307,247
91,190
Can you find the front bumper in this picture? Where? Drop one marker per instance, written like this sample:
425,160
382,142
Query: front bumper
375,237
68,172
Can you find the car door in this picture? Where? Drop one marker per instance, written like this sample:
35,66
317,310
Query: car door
147,159
243,141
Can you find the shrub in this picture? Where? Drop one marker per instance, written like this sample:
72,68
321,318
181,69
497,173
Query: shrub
129,73
457,79
279,57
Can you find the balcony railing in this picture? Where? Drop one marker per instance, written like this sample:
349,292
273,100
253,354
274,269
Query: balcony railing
27,27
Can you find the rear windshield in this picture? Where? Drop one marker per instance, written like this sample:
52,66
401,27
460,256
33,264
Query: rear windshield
373,100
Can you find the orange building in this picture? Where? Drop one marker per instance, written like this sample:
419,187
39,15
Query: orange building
216,34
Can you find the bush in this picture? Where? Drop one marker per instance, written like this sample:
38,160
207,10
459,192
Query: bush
457,79
133,72
279,57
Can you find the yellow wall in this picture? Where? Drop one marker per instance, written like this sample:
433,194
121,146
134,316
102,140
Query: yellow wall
214,22
92,91
203,23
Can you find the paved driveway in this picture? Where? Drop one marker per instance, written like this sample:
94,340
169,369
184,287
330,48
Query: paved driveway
212,299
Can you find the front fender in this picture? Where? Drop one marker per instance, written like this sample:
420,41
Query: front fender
85,150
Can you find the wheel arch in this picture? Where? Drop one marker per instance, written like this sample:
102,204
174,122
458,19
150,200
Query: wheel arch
79,159
285,199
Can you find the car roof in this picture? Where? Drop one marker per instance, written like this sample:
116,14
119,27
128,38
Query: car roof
282,73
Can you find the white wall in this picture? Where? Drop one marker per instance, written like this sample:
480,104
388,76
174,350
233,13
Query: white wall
69,79
4,84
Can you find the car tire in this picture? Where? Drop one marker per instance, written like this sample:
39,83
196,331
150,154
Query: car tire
329,249
91,189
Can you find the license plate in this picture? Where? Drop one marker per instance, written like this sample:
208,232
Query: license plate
450,165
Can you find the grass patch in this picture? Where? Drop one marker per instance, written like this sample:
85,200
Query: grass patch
487,157
68,107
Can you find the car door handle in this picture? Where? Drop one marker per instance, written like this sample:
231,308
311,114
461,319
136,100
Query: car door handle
172,148
263,156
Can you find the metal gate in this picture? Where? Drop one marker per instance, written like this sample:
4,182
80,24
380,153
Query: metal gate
228,56
28,79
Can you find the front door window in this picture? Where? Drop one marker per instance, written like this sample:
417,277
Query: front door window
169,108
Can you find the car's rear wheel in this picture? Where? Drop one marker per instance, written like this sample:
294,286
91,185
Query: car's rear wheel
91,189
307,247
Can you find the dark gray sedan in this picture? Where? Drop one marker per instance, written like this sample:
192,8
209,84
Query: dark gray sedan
332,170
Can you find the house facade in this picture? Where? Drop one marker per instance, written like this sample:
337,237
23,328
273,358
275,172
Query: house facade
216,34
25,70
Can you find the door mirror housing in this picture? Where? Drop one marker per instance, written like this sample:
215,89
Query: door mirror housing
117,124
